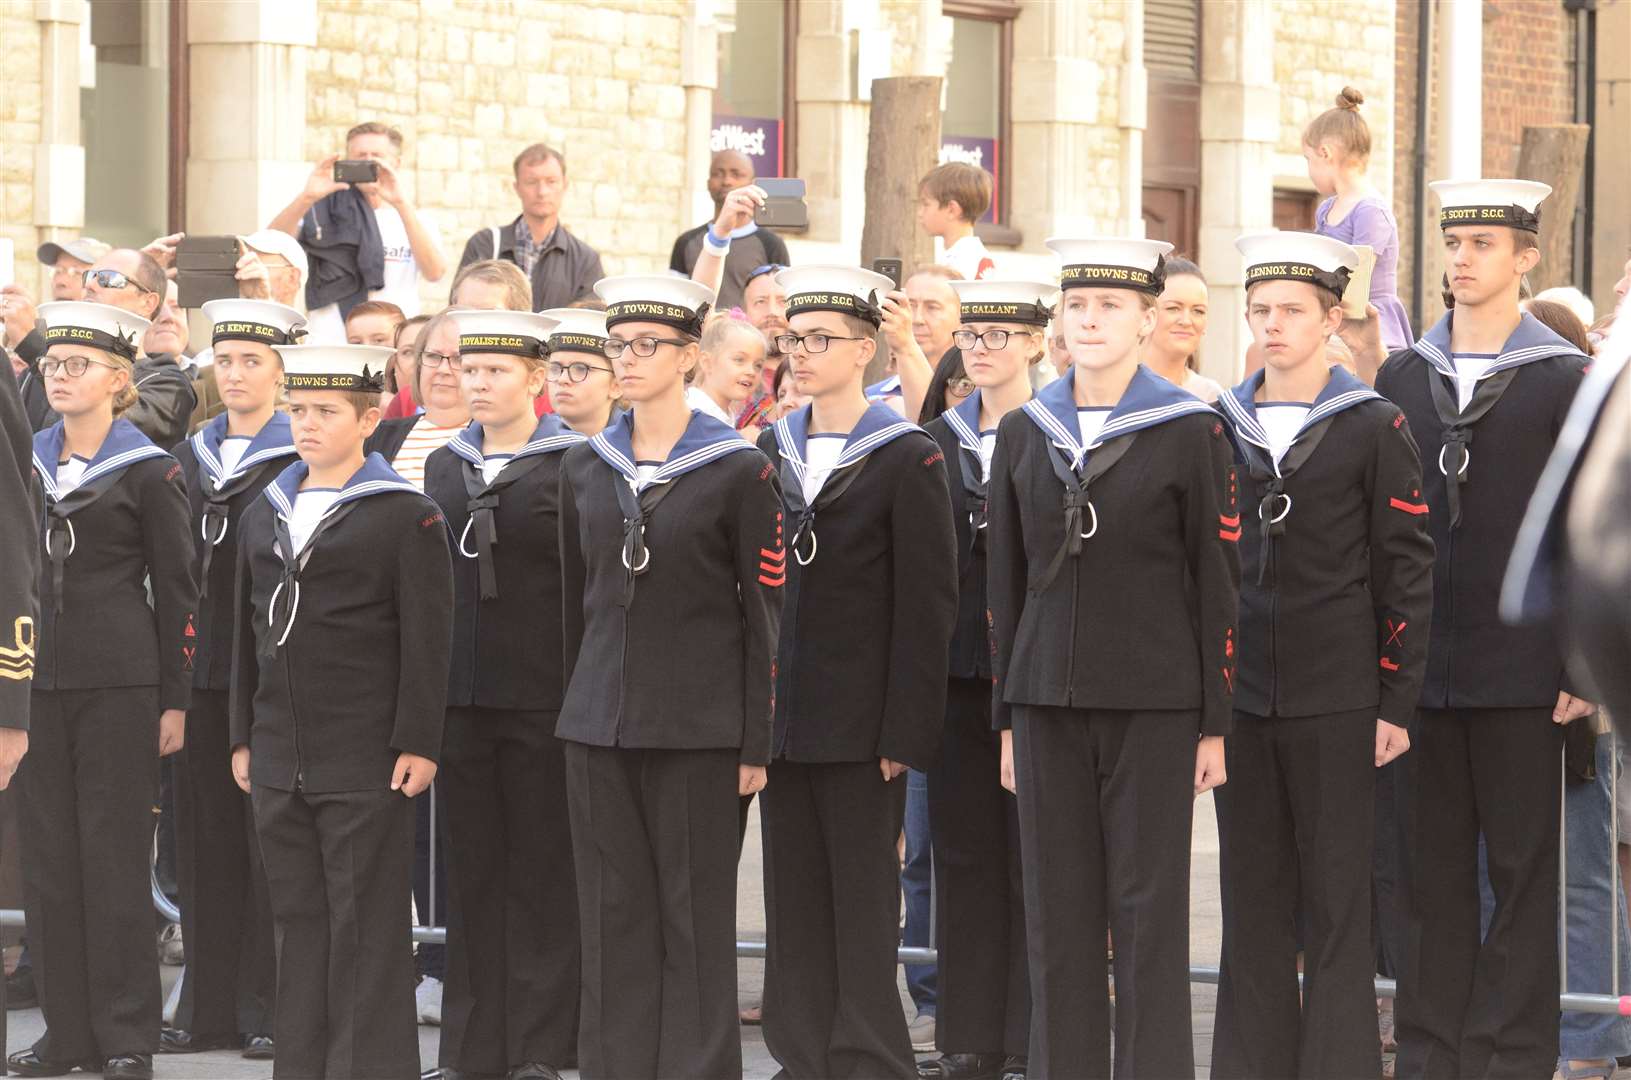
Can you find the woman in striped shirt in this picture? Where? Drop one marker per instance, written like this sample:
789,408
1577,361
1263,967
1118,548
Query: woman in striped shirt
407,442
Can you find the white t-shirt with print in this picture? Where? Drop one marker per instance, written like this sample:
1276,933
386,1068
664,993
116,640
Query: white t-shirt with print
325,327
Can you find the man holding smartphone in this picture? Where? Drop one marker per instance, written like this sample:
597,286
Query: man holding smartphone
744,246
364,239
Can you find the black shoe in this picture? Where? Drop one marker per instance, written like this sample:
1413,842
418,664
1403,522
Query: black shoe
961,1067
28,1063
176,1041
1014,1066
259,1048
534,1070
20,990
128,1067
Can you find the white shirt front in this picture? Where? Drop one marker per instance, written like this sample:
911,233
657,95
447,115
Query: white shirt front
325,327
69,474
988,447
232,452
1091,422
1281,420
493,464
1469,368
821,453
309,507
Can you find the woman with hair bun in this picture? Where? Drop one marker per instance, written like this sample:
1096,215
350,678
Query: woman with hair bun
111,688
1337,148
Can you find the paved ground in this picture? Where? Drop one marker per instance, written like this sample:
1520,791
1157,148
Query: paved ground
25,1025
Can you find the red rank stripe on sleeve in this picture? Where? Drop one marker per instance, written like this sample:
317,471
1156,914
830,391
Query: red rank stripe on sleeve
773,567
1229,527
1408,507
1388,665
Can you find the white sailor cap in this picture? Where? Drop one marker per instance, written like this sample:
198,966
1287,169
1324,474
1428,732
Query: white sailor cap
514,333
254,320
1027,302
1111,262
659,298
848,289
1513,203
101,326
577,330
334,367
1298,256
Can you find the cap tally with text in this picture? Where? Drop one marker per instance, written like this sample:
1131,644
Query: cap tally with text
1111,262
848,289
254,320
1513,203
655,298
100,326
577,330
1028,303
514,333
335,367
1298,256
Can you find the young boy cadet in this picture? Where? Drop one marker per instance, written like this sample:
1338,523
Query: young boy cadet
1486,391
345,624
950,199
1334,609
861,686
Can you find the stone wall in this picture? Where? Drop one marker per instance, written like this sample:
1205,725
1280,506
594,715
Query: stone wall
471,82
20,130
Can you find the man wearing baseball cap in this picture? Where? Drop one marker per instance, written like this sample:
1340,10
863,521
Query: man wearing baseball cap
68,261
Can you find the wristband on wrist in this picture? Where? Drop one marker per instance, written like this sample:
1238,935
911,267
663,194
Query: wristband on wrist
715,245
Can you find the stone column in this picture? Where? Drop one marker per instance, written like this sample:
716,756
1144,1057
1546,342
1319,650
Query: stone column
699,75
247,111
59,156
1240,126
832,115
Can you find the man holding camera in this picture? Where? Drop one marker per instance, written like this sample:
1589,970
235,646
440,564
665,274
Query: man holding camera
362,236
746,246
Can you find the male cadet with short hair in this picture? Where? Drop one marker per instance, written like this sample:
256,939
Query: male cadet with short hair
339,685
1486,392
861,685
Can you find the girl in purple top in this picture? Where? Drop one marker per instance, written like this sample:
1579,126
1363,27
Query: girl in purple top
1337,147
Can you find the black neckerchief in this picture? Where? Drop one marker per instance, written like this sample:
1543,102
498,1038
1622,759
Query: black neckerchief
1458,424
288,586
483,502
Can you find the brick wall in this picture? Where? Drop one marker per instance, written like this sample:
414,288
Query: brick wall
1405,149
471,82
1528,48
19,132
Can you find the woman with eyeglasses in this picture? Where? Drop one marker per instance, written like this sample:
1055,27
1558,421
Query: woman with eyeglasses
582,385
397,398
673,566
510,1003
112,684
406,443
983,999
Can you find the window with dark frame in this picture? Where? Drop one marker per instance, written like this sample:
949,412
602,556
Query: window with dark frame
752,105
1172,136
977,126
1294,210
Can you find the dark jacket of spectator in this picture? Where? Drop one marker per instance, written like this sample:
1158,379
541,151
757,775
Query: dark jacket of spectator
749,251
341,239
566,269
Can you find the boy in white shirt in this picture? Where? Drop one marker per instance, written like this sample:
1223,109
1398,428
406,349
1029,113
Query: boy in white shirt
950,199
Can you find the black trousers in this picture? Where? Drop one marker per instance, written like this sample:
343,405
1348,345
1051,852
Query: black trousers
1106,801
339,868
1484,1009
983,1004
511,994
226,915
832,920
654,841
1296,820
88,786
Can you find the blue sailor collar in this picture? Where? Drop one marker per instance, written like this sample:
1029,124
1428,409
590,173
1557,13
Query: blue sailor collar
551,435
1239,406
882,389
964,421
1531,341
1148,400
705,439
123,447
374,478
272,441
877,426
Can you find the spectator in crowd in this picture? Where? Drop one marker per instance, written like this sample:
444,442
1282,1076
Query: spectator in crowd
765,305
273,268
1578,303
1561,320
490,285
373,322
785,387
561,267
1058,352
68,261
918,323
744,245
728,369
1173,350
1337,147
950,199
399,376
949,388
406,443
364,241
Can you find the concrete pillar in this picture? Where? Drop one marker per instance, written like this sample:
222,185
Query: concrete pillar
59,156
247,111
1240,126
699,75
1460,56
1133,107
834,77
